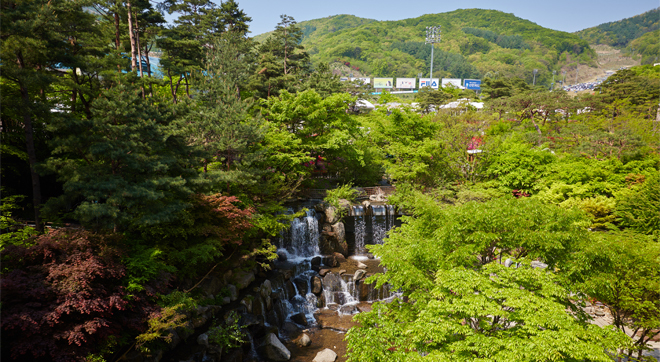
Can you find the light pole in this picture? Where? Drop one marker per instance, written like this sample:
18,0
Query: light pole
432,37
563,82
534,81
552,86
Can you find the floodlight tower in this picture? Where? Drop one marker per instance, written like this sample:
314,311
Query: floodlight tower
432,37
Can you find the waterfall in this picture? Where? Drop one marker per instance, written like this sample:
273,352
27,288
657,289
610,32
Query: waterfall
360,229
391,212
302,239
378,223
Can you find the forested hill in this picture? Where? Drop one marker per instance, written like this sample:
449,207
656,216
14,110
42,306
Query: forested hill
474,43
620,33
319,27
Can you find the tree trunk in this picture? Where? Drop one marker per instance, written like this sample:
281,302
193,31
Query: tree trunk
32,155
131,36
117,39
139,50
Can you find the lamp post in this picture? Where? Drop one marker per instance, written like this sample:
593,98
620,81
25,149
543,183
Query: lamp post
432,37
552,86
534,81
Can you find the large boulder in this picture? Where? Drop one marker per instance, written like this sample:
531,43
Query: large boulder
317,285
339,232
274,350
233,292
330,261
243,278
299,318
327,355
332,282
301,285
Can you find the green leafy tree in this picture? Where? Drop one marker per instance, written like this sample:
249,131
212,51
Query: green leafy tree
459,303
638,208
621,270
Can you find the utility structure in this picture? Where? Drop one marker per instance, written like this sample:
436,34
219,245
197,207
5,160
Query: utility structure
552,86
534,81
432,37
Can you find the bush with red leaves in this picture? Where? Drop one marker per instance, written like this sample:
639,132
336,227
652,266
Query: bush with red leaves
62,298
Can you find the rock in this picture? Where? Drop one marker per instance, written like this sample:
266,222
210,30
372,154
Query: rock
199,320
320,301
316,261
339,231
359,274
203,340
333,306
339,257
211,285
332,282
342,248
364,291
323,272
299,318
361,265
287,274
243,278
330,261
538,264
290,328
227,276
327,355
304,340
289,289
234,355
258,305
274,349
226,300
331,214
266,288
348,309
247,302
589,310
317,285
301,285
508,262
599,312
282,255
233,292
342,271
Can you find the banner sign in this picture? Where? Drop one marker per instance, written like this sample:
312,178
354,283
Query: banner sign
406,83
383,82
472,84
426,82
456,82
363,80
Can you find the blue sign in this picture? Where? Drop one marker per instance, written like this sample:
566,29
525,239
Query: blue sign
472,84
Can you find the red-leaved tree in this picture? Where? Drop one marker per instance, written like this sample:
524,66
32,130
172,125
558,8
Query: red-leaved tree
62,298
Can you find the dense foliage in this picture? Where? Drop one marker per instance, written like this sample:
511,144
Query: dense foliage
621,33
167,174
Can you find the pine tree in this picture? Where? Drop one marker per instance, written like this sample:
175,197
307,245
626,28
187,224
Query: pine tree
222,127
123,166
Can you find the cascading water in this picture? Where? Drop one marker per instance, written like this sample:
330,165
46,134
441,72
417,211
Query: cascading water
391,212
360,229
378,223
302,240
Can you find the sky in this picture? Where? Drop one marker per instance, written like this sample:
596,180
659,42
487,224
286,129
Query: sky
564,15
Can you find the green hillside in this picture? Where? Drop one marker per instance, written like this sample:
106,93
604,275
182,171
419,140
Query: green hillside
323,26
647,46
620,33
474,43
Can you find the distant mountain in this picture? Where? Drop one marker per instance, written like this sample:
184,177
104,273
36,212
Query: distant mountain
474,43
620,33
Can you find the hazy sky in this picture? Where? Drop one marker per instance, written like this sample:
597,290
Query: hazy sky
565,15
